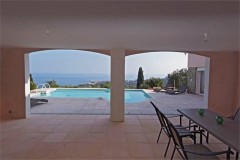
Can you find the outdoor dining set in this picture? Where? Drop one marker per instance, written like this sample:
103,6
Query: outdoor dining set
202,122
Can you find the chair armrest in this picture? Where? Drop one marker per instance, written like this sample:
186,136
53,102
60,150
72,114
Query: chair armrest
210,153
189,127
189,132
173,115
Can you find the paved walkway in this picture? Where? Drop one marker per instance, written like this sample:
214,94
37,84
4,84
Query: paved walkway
100,106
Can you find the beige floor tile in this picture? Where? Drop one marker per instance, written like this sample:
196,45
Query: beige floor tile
90,150
147,122
159,150
89,117
152,137
64,151
117,128
85,137
33,137
97,129
95,137
131,117
136,137
145,116
71,122
132,122
116,151
163,138
47,128
75,117
15,150
64,128
140,150
134,129
61,117
75,137
151,128
41,150
116,137
33,127
86,122
80,129
55,137
102,121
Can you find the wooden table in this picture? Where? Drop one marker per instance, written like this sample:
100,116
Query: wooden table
228,132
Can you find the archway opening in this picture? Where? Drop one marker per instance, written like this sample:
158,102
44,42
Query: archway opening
165,75
69,82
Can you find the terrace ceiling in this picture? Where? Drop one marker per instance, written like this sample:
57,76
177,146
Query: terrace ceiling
136,25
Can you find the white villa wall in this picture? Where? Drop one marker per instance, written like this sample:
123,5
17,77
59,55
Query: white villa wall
196,60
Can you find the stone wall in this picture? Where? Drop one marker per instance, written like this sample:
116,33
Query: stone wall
191,80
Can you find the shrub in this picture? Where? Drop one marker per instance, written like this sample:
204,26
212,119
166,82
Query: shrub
153,82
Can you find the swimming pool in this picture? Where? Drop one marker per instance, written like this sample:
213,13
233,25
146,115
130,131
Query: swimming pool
131,96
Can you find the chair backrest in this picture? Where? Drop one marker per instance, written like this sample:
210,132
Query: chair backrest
177,140
182,89
161,117
236,117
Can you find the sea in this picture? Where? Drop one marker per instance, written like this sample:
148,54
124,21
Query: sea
69,79
73,79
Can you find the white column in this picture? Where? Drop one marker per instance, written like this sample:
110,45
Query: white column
117,85
27,86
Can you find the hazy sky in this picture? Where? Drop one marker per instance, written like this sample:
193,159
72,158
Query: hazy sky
157,64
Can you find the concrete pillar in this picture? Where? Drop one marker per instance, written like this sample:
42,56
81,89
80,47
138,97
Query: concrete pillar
117,85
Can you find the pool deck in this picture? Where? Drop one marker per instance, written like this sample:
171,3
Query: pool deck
168,103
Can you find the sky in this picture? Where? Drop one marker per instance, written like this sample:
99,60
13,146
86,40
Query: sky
154,64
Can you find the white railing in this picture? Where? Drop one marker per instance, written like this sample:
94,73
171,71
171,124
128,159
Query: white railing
47,84
43,86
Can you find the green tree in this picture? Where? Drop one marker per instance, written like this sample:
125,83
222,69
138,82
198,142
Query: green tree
140,79
179,77
32,83
153,82
53,84
106,85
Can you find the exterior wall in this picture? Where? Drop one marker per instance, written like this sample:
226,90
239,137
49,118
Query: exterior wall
197,91
191,75
12,84
0,84
196,60
239,79
223,82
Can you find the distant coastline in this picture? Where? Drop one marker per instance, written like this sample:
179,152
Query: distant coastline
71,79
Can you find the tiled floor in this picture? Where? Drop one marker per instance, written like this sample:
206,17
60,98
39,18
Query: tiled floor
100,106
86,137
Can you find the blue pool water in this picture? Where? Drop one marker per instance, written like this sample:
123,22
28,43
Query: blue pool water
131,96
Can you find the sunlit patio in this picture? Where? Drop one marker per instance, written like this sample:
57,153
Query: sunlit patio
168,103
